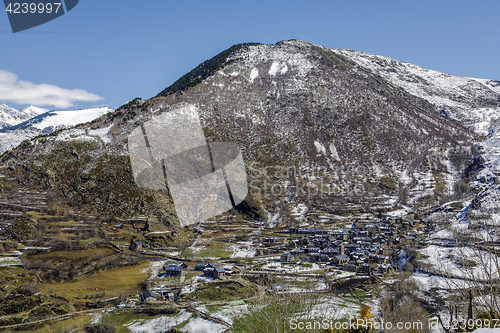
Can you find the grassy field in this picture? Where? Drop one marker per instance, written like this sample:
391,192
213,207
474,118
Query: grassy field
211,250
113,282
73,256
222,291
75,325
78,324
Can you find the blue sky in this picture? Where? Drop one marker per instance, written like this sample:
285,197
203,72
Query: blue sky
120,50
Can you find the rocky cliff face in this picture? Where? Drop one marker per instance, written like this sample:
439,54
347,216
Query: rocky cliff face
323,136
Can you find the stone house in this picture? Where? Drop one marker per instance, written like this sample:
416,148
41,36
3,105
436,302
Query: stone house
286,257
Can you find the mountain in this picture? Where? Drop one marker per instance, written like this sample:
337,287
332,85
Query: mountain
53,120
10,116
468,100
330,138
6,119
473,102
30,112
40,121
323,136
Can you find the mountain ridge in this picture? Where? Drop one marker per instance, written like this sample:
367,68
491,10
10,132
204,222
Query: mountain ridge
10,116
44,122
292,104
449,93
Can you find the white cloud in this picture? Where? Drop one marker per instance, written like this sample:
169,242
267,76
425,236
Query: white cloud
14,90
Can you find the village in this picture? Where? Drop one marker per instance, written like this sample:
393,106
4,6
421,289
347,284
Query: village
366,249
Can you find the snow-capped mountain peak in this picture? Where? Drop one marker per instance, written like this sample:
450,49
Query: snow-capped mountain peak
32,121
5,108
10,117
6,116
31,111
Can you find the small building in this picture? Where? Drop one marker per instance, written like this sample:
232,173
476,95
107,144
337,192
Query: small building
386,251
385,268
229,270
214,272
303,241
351,267
379,258
312,249
299,254
135,246
314,257
268,240
200,266
323,257
263,252
157,295
147,296
286,257
405,239
331,251
173,269
365,268
340,259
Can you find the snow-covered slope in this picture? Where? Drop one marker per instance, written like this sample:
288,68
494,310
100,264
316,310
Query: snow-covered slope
53,120
11,117
11,139
475,103
461,98
6,119
30,112
46,122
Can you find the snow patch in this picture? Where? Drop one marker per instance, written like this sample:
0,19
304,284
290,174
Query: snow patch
254,74
102,133
200,325
333,151
274,68
158,325
320,148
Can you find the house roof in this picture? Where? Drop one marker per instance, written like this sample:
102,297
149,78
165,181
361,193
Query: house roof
342,257
147,294
331,250
204,264
173,267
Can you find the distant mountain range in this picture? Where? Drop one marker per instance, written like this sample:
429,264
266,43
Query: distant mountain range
10,116
26,123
